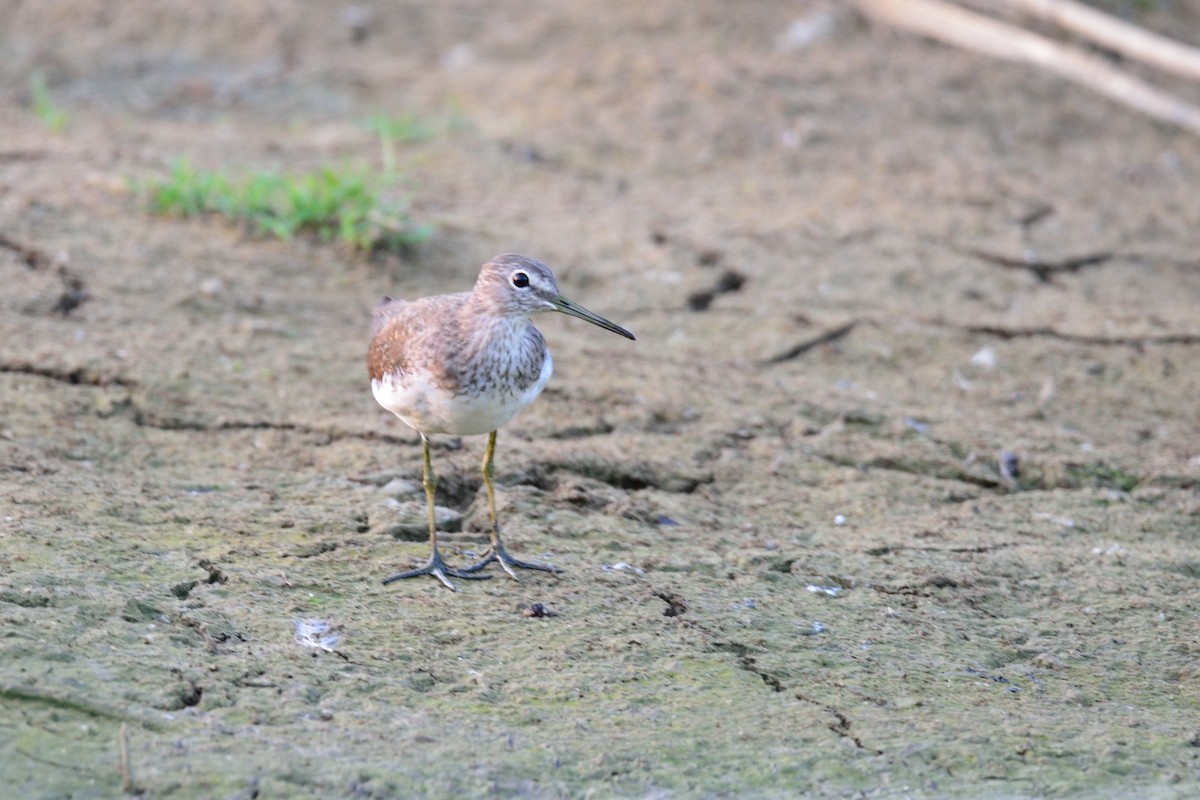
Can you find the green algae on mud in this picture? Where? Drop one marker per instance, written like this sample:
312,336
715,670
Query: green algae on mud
927,668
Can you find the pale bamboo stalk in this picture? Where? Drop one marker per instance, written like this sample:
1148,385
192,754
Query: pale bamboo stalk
1114,34
969,30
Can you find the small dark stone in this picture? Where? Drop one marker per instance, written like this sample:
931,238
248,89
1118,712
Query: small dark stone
730,281
70,300
215,575
539,610
676,605
700,301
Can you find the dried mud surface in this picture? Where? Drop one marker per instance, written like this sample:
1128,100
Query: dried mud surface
861,272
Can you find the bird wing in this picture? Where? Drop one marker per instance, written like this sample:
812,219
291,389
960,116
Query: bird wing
388,307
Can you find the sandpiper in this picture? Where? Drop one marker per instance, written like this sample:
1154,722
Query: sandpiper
465,364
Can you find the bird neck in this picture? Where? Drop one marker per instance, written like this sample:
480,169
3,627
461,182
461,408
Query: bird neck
495,329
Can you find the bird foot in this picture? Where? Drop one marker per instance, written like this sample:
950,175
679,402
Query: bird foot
497,553
438,569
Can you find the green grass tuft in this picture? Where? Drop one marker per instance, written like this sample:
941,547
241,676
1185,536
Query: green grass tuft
1104,476
345,205
44,106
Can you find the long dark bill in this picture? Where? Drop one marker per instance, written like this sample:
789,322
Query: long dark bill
575,310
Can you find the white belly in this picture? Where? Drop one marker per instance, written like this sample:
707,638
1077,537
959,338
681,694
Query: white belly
425,408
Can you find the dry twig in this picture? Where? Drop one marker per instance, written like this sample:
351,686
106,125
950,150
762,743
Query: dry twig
972,31
123,766
1115,35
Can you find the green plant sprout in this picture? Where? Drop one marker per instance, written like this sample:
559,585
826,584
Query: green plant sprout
44,107
346,205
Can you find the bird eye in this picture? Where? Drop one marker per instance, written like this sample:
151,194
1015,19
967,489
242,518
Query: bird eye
520,280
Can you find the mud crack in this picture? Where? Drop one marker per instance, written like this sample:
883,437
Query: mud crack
74,293
1043,270
747,663
84,705
1081,338
87,376
77,376
799,349
631,476
148,419
29,255
927,469
973,549
999,331
841,725
1046,332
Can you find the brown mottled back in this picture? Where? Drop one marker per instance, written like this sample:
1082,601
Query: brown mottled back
402,335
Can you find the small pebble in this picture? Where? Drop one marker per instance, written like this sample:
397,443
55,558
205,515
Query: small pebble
985,358
809,28
409,519
1048,661
211,287
399,487
839,520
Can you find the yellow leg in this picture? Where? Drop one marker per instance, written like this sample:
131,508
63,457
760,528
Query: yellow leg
434,566
496,551
488,455
429,481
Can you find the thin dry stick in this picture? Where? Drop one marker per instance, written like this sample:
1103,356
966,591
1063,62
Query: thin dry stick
123,766
966,29
1114,34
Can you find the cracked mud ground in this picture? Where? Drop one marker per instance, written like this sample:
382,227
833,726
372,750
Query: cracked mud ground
896,494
